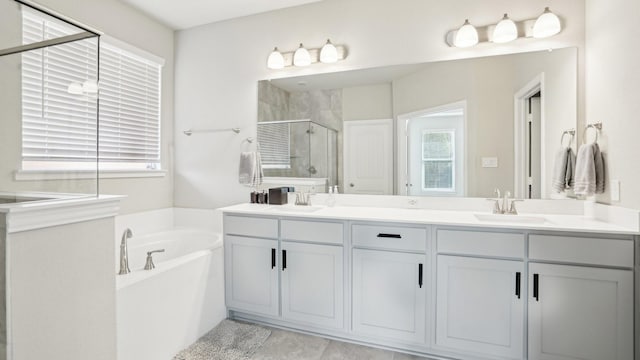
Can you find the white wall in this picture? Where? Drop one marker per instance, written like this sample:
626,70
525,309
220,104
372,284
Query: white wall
218,66
367,102
122,22
613,79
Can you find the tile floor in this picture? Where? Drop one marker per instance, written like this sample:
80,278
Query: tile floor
287,345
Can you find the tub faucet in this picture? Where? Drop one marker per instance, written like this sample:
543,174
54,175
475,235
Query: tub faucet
149,264
124,254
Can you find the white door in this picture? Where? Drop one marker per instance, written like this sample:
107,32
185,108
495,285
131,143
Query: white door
368,157
389,295
312,284
480,306
580,313
251,274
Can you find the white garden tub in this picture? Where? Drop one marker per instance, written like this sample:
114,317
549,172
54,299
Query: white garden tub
161,311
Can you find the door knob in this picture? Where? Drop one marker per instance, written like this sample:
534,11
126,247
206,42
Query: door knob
352,185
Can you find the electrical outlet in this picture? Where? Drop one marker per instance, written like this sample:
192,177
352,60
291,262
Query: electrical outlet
615,190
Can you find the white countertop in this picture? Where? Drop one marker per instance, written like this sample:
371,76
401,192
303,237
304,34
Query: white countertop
552,222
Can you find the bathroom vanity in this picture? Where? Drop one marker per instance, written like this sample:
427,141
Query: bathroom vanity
454,284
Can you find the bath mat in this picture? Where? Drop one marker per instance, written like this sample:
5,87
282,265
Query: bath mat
230,340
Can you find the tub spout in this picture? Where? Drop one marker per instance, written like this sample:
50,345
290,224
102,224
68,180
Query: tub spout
124,255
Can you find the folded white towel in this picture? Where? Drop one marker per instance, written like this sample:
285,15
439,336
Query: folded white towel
589,177
250,169
564,170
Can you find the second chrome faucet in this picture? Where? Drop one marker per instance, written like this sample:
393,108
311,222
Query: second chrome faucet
506,207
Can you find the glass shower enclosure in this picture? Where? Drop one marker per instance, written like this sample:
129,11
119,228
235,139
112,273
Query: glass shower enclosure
298,149
48,105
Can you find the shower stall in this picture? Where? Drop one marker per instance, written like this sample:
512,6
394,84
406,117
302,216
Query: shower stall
299,149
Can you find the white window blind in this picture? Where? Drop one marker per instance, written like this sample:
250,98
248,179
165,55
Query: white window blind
275,145
59,128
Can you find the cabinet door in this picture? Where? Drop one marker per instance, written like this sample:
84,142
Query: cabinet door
480,306
580,313
312,284
251,274
389,295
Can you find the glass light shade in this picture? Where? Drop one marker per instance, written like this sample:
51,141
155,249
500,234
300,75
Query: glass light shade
301,57
466,36
90,87
275,60
505,31
548,24
75,88
328,53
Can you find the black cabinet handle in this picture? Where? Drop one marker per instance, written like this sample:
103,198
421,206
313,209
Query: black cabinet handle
535,287
420,275
284,259
518,284
273,258
394,236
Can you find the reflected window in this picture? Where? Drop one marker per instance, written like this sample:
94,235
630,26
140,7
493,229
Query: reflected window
274,140
438,160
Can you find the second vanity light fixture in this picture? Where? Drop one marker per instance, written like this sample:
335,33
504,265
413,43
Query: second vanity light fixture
546,25
329,53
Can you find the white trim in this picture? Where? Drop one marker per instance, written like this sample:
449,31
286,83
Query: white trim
38,215
401,150
109,40
519,119
294,181
37,175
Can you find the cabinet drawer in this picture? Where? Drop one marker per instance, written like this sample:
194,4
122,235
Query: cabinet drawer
312,231
480,243
251,226
573,249
389,237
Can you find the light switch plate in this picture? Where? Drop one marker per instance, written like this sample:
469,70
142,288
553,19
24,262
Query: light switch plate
489,162
615,190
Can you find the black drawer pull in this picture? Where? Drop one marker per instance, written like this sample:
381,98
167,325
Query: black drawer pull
535,287
284,259
393,236
420,275
273,258
518,284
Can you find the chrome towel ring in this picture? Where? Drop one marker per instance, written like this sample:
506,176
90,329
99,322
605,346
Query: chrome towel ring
596,127
571,133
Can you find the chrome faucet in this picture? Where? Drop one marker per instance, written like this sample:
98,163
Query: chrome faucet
124,253
149,265
505,207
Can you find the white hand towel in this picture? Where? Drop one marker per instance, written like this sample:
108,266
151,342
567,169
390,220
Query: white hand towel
589,177
559,183
250,172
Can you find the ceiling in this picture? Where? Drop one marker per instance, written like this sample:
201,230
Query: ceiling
185,14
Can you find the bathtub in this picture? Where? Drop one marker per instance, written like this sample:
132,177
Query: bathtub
164,310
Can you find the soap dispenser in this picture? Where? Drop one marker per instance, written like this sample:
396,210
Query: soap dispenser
331,199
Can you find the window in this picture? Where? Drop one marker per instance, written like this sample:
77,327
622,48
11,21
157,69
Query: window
274,140
59,121
438,160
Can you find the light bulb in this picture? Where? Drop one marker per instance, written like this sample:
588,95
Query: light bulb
466,36
328,53
90,87
275,60
505,31
301,57
548,24
75,88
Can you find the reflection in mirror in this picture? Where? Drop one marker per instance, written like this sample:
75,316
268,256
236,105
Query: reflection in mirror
462,127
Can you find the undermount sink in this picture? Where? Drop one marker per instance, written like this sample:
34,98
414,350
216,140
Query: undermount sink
295,208
521,219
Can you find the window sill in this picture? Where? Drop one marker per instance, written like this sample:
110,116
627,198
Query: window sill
37,175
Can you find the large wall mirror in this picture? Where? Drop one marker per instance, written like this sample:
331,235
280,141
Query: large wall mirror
450,128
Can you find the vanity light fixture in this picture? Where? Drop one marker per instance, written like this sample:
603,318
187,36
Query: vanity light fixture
301,57
275,60
466,36
505,31
547,24
327,54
